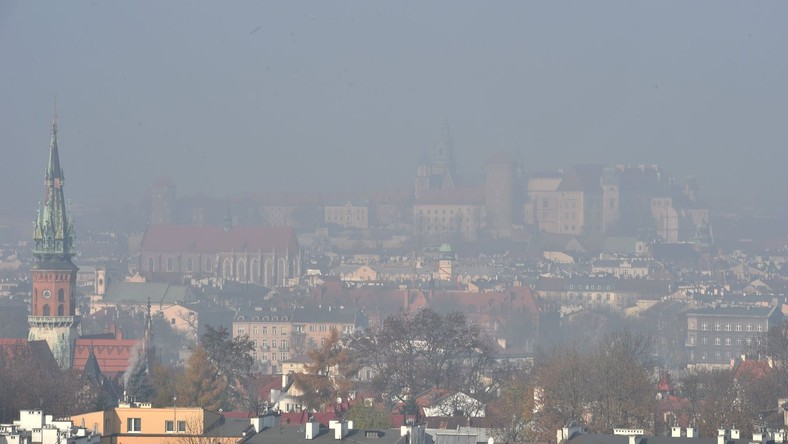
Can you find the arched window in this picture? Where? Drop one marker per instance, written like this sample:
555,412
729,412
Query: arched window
268,273
169,264
189,264
61,295
208,265
254,271
150,264
60,310
227,268
46,310
240,270
281,271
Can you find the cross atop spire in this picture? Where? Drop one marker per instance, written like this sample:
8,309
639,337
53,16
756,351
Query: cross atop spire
53,234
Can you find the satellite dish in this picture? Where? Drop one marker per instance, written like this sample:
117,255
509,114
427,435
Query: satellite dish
339,400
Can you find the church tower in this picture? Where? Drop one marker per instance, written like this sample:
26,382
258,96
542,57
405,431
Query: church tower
53,304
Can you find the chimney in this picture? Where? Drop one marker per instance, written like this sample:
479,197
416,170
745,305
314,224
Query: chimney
779,436
734,433
634,439
722,436
312,429
675,432
692,432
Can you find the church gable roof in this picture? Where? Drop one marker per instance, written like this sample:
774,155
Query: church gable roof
209,239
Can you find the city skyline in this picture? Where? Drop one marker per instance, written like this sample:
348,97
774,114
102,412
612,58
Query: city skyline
344,96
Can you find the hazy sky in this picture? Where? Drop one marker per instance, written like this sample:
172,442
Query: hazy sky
228,97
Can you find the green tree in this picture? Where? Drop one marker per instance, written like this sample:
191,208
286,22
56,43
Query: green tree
233,362
202,384
328,376
165,385
367,417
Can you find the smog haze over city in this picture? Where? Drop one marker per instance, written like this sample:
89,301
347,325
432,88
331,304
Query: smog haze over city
228,99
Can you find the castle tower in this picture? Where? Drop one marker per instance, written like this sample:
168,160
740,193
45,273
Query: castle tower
499,195
53,304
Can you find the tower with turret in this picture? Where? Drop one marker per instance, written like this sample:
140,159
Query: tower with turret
53,316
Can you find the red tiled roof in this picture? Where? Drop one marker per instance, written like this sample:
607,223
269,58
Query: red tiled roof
753,369
113,355
208,239
13,347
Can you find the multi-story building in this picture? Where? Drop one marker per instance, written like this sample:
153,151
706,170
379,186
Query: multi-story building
348,215
581,200
278,336
271,334
34,426
140,423
715,335
622,268
445,214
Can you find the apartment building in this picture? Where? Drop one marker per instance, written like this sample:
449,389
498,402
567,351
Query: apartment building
715,335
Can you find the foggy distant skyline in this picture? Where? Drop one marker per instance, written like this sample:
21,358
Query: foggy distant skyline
228,99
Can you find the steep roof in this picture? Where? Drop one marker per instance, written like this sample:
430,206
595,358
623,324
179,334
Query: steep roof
210,239
113,356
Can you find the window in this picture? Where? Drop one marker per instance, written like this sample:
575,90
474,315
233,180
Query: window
241,330
760,327
255,330
61,295
727,327
704,326
283,356
717,326
716,341
60,310
323,328
749,327
181,426
738,327
169,426
133,425
284,344
169,264
273,330
265,330
727,341
150,264
189,264
704,340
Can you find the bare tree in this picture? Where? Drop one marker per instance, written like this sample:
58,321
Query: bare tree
413,352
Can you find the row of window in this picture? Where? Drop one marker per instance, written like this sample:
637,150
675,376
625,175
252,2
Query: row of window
256,330
588,287
274,342
729,327
134,425
61,295
61,311
728,341
282,356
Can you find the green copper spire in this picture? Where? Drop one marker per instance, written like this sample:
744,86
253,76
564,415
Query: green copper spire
53,235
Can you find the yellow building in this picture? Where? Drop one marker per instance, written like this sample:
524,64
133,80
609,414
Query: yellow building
349,215
138,423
